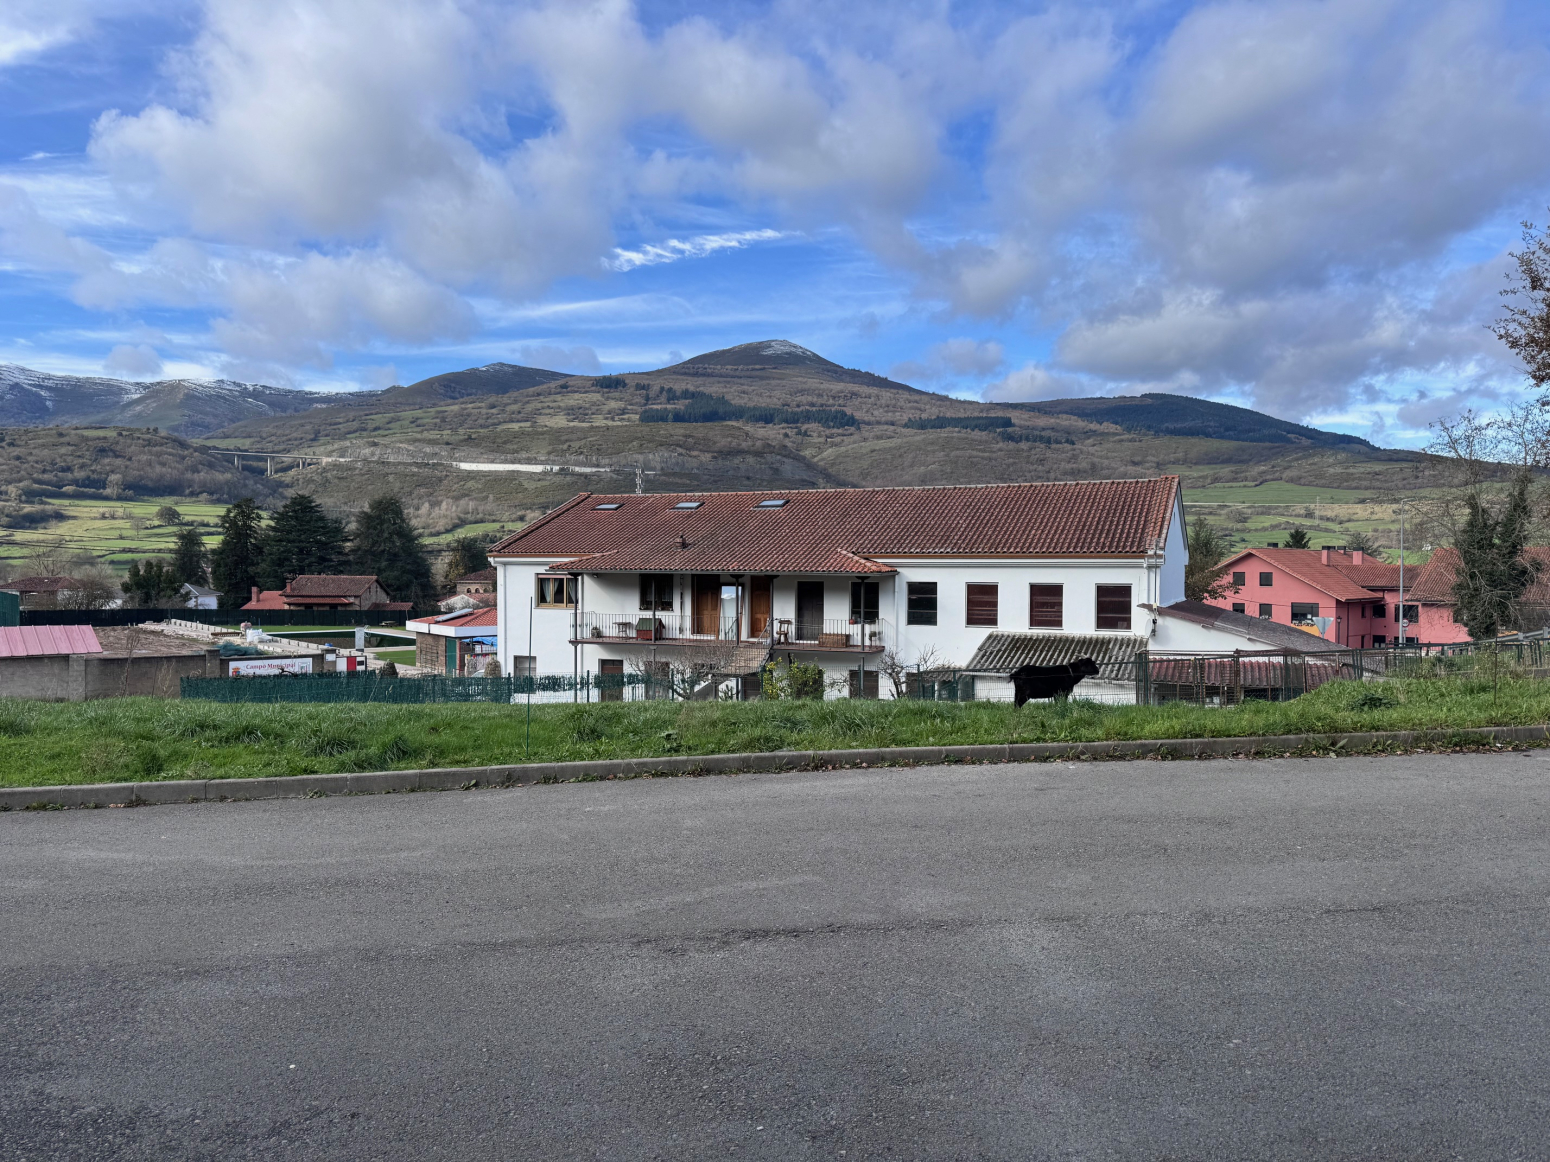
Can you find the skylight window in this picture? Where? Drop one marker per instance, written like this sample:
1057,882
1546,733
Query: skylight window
609,507
776,503
689,504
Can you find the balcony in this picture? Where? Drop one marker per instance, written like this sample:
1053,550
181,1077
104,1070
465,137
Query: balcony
786,634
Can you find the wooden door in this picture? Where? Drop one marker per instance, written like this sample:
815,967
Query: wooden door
707,604
761,596
809,610
611,686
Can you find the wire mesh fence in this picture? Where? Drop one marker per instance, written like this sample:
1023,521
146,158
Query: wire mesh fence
372,687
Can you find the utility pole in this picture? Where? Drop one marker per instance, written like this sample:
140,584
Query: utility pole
640,482
1400,614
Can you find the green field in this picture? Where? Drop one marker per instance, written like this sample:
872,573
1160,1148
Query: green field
397,657
117,531
137,739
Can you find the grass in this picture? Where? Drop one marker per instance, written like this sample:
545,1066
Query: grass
398,657
139,739
104,528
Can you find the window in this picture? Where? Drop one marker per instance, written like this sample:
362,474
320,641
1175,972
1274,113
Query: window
656,591
1265,579
609,507
920,603
1237,607
1113,607
863,602
689,504
774,503
1380,610
1378,639
1410,613
983,605
1304,611
1267,611
1046,606
1239,580
556,592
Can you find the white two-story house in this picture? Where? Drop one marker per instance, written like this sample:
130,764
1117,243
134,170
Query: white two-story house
628,583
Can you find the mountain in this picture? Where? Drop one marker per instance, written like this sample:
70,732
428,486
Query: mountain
774,414
1182,415
186,407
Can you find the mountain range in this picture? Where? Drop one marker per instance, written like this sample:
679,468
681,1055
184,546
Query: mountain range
758,415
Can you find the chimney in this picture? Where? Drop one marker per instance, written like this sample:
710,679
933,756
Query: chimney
255,593
1324,556
1357,557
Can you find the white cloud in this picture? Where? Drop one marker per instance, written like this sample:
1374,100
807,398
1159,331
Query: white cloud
576,360
674,249
952,359
1035,381
29,28
133,362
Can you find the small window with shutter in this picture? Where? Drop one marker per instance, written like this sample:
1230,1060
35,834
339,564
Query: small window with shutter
1046,606
983,605
1114,607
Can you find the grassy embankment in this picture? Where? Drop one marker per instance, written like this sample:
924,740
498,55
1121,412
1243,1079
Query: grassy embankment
141,739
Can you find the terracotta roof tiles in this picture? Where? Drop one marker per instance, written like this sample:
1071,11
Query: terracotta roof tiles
847,530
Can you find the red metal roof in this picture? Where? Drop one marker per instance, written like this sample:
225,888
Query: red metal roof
37,641
841,530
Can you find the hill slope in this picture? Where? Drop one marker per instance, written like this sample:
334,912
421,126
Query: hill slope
1181,415
187,407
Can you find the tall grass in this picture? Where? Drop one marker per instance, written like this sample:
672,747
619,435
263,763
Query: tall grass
137,739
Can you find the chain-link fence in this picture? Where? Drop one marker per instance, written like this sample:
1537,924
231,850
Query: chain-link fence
372,687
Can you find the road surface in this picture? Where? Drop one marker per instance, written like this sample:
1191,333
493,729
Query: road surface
1294,959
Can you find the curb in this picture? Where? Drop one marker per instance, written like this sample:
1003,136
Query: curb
528,774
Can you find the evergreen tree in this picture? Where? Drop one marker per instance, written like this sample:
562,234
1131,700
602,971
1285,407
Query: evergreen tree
1493,573
386,544
1203,578
302,538
235,562
188,559
1297,539
466,555
152,584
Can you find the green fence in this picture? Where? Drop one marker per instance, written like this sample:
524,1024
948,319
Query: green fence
371,687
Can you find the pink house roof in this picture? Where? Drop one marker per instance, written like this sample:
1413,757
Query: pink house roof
40,641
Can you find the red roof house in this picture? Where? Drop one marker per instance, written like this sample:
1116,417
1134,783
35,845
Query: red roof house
1295,586
328,591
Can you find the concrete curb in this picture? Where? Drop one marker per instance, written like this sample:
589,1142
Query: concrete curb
527,774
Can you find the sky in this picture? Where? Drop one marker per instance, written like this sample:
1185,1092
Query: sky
1299,206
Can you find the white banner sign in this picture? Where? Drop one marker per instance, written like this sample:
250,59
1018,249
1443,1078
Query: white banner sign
268,667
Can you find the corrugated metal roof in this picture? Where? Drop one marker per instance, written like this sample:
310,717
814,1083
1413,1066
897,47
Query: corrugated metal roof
1259,628
1001,653
844,530
38,641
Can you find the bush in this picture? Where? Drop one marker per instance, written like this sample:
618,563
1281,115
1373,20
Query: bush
973,423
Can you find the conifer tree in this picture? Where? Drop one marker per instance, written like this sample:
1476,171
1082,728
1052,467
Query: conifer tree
1493,573
188,559
234,564
384,543
302,538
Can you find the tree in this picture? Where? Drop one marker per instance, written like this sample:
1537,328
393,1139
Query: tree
1297,539
152,584
1203,578
1525,322
189,558
235,563
302,538
465,555
1493,573
99,588
386,544
167,515
1360,542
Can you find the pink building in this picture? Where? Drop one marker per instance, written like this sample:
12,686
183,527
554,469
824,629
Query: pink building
1296,586
1432,591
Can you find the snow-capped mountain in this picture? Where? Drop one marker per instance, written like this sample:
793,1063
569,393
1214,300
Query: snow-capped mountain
187,407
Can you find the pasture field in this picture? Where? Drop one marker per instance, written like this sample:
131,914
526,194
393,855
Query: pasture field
138,739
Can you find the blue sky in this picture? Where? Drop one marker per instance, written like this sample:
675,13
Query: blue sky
1300,206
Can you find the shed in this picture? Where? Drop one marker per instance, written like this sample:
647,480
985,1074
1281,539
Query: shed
1001,653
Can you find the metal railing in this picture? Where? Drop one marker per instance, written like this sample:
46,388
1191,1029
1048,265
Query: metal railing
781,633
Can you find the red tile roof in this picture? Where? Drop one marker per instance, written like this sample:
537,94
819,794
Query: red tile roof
41,584
840,530
478,576
1336,579
1433,582
329,585
38,641
268,599
464,619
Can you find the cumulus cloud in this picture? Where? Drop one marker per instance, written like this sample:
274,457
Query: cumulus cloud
576,360
953,359
1035,381
1256,197
138,361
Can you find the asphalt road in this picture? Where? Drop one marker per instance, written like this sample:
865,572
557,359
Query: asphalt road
1281,959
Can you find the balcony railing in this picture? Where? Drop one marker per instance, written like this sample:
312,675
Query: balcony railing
666,628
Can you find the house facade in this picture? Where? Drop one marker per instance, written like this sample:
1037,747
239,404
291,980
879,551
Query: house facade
1356,596
838,577
328,591
1432,594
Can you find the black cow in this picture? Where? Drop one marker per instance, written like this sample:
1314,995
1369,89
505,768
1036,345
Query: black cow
1050,681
